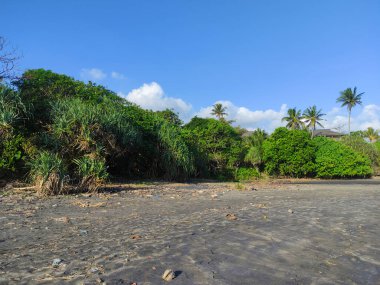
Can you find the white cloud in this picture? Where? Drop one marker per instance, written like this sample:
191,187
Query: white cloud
368,116
117,75
151,96
92,74
266,119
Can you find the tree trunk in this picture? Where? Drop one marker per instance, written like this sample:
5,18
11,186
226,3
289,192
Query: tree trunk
349,122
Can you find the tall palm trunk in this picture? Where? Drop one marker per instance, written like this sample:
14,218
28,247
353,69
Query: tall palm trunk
349,121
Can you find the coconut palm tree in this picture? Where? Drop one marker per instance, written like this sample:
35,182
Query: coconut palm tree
350,98
371,134
312,117
294,119
219,111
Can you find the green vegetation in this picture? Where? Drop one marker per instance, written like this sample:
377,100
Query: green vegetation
294,119
312,117
65,135
349,98
336,160
371,134
92,173
47,172
366,149
218,147
246,174
289,153
255,151
219,111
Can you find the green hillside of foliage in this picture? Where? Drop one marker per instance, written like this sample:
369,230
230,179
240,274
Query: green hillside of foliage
60,133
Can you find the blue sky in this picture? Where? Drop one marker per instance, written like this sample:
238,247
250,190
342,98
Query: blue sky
254,56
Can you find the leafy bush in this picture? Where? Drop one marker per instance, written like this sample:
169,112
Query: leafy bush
335,160
47,172
359,145
11,153
377,145
39,88
289,153
246,174
92,173
217,143
176,159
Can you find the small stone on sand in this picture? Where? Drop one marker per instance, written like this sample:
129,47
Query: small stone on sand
168,275
56,262
135,236
231,217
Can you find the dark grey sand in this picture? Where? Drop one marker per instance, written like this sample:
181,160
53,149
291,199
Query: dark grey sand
285,233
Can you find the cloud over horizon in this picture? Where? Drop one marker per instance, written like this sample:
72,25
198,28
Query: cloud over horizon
265,119
92,74
368,116
96,74
117,75
151,96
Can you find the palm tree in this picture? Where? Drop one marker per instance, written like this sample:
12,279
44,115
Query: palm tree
312,116
371,134
350,98
294,119
255,151
219,111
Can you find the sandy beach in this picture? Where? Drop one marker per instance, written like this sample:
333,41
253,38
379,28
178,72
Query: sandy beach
280,232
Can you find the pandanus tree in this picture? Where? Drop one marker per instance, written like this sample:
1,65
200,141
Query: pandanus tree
312,117
293,119
11,109
219,111
350,98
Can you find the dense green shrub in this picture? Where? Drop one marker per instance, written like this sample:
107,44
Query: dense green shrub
289,153
47,172
336,160
358,144
377,145
246,174
175,156
39,88
216,142
11,153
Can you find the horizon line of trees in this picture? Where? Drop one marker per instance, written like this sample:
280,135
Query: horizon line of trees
66,135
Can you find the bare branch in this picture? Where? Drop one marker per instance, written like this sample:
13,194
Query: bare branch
8,58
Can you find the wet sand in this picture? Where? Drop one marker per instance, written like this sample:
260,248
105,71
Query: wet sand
296,232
